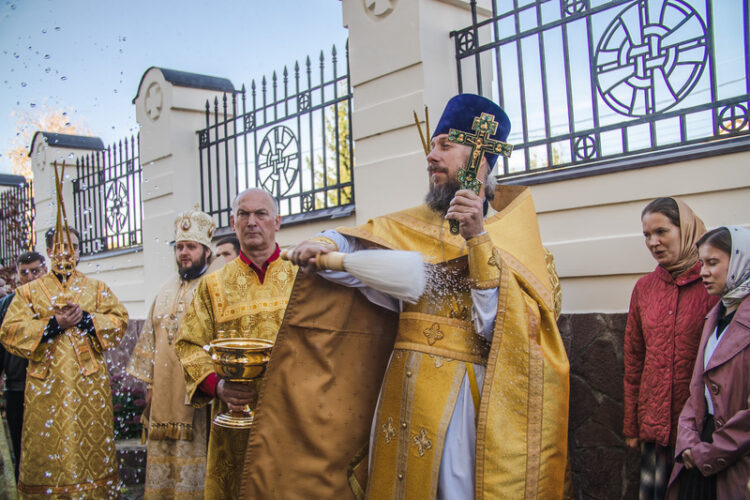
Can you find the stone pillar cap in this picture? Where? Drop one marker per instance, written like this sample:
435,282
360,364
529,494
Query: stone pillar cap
190,80
67,141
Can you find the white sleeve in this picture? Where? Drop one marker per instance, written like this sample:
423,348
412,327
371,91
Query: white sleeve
348,244
484,311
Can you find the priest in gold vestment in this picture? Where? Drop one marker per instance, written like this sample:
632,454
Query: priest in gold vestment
176,433
470,394
67,447
245,298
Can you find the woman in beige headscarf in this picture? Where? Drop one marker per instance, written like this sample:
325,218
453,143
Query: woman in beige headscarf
663,331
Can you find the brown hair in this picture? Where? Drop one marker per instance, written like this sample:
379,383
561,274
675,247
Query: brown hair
49,236
718,238
665,206
29,258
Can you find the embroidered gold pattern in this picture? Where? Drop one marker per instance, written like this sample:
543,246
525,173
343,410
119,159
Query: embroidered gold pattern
433,334
389,432
439,360
422,442
495,259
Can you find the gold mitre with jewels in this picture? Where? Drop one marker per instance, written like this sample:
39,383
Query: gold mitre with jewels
194,225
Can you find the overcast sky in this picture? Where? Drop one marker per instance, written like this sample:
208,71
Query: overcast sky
87,56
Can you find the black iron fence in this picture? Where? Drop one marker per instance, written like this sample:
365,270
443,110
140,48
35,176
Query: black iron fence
290,135
17,214
590,83
107,198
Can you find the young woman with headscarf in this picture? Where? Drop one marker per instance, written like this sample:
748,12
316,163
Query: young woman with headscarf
713,437
667,309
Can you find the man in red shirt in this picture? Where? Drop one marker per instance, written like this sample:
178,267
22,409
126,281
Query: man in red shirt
247,298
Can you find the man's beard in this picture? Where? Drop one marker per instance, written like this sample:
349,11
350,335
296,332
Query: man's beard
440,195
193,271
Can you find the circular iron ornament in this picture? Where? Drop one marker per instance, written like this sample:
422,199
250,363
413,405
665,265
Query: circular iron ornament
585,147
116,199
249,121
647,67
308,202
733,118
466,42
278,160
576,6
303,101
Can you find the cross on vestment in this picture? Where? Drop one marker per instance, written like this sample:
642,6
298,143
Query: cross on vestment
484,126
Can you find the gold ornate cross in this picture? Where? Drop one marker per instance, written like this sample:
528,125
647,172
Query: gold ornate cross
484,126
433,334
422,442
389,432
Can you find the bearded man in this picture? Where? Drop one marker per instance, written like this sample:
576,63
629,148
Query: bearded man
245,299
62,323
176,433
471,382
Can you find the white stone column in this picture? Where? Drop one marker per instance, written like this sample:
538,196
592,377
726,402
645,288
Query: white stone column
170,108
401,58
45,150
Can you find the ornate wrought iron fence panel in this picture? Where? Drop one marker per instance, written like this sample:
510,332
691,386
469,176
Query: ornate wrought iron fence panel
17,212
290,135
591,83
107,199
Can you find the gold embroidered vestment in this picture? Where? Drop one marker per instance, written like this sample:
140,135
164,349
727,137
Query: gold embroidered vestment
176,433
310,437
522,408
229,303
68,447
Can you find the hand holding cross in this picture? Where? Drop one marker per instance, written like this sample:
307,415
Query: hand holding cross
484,126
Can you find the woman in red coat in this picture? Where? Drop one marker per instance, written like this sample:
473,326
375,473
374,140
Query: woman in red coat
666,315
713,437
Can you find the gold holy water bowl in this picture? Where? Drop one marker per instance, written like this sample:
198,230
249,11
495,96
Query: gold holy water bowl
239,360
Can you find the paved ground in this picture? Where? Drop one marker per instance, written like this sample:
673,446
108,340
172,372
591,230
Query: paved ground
134,492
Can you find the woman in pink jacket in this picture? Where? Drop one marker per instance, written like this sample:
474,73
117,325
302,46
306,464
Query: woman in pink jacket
664,325
713,437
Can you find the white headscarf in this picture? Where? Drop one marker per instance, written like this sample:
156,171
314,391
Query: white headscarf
738,276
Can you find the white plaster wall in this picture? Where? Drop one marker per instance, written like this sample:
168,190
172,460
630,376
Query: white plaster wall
592,225
401,58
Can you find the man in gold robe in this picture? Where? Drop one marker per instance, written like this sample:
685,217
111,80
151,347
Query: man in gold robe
461,395
62,323
176,433
246,298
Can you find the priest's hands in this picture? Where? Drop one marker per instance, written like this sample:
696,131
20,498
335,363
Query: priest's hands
304,254
235,394
631,442
69,315
466,207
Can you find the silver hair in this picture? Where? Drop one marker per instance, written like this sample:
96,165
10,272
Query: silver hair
236,200
490,184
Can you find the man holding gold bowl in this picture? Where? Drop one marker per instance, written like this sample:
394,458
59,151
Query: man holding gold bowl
245,299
